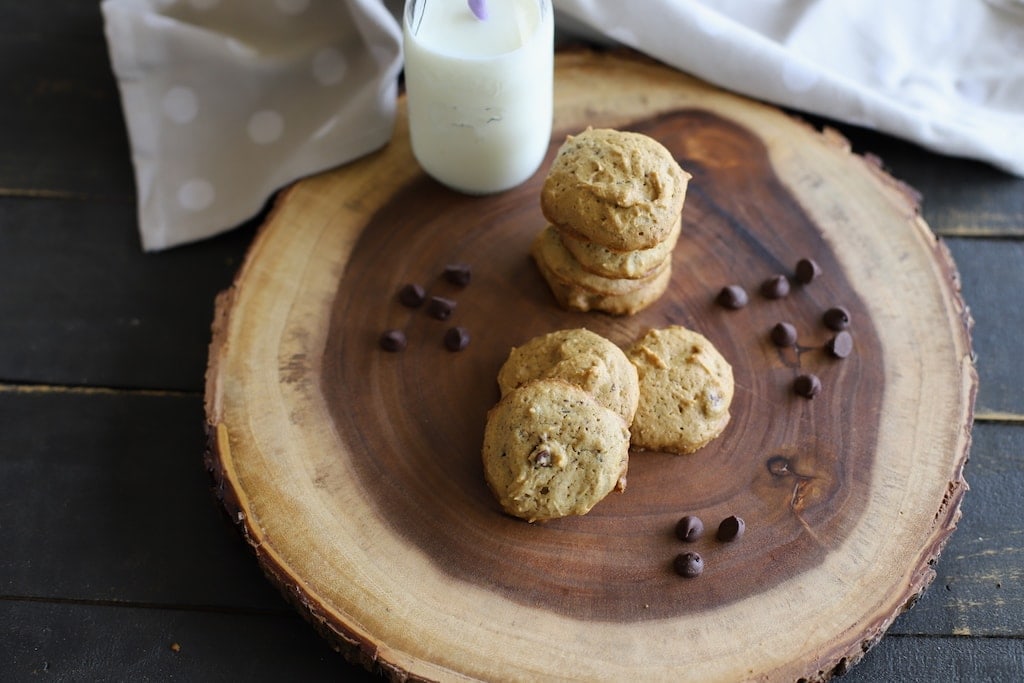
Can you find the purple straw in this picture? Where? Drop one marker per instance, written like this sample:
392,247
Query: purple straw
479,9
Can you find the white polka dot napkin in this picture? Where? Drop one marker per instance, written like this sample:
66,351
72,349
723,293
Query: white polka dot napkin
947,74
226,101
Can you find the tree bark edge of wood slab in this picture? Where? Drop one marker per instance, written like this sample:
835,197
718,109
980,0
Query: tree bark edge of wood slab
354,473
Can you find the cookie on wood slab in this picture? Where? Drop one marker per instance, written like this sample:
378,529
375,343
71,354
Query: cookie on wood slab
686,388
580,357
620,189
551,450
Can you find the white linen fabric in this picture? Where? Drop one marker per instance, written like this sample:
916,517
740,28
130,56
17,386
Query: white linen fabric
226,101
946,74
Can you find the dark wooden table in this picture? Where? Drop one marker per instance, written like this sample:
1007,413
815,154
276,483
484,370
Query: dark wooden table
115,561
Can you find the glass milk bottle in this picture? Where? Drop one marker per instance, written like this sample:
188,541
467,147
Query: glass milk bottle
478,78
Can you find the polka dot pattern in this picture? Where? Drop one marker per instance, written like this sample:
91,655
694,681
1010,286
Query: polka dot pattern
196,194
329,66
228,100
180,104
265,127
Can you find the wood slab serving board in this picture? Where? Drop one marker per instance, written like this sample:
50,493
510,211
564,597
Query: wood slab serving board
355,473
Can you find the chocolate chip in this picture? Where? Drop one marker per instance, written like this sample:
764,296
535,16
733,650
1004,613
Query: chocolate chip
783,334
806,270
807,385
689,528
837,318
840,345
458,274
731,529
775,287
440,308
542,458
412,295
732,297
393,340
689,565
456,339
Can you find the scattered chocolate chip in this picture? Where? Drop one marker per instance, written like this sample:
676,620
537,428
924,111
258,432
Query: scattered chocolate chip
837,318
440,308
412,295
732,297
456,339
689,528
775,287
542,458
840,345
806,270
807,385
393,340
731,529
689,565
458,274
783,334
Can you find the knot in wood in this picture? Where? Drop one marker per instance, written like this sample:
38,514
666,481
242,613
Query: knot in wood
778,466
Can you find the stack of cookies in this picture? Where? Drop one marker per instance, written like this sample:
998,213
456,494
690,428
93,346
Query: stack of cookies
558,441
614,202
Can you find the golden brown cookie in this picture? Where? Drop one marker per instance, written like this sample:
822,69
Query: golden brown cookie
686,387
573,297
551,450
549,249
619,189
580,357
632,265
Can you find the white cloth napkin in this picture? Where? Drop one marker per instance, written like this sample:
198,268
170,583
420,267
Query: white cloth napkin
947,74
226,101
